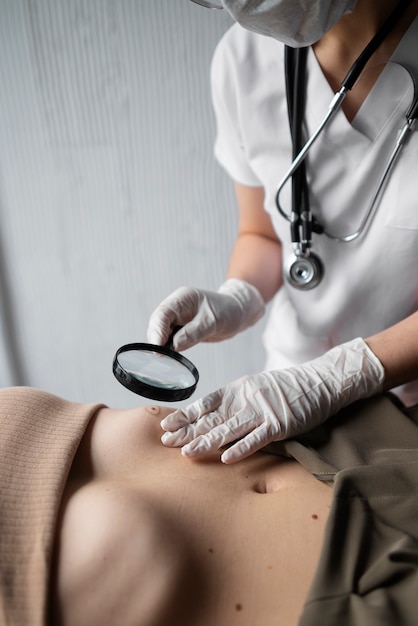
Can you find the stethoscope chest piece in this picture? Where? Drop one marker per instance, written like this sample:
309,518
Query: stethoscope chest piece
304,271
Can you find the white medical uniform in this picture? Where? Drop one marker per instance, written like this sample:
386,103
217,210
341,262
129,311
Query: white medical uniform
372,282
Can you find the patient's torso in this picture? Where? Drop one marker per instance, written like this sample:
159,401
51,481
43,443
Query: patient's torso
148,537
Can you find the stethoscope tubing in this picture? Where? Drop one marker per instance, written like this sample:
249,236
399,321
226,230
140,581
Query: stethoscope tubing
302,246
334,106
400,142
402,138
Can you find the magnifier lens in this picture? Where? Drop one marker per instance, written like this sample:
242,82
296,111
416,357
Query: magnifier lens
158,370
155,372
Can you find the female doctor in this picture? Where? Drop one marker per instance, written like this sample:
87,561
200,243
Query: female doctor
343,323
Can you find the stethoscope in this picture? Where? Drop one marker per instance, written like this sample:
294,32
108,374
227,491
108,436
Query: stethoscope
304,269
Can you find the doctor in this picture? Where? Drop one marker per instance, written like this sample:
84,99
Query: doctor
355,333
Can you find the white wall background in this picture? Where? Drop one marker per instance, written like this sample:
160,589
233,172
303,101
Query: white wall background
110,197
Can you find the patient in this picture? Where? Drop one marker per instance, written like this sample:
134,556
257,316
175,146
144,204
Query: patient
147,537
101,524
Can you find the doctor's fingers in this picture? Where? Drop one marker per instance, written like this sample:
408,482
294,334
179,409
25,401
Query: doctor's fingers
160,325
191,432
201,328
193,412
236,427
254,441
175,310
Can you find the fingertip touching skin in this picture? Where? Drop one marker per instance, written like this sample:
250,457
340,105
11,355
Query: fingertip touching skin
193,412
174,421
187,428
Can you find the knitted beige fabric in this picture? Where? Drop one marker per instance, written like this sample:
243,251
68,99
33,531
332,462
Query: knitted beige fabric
40,434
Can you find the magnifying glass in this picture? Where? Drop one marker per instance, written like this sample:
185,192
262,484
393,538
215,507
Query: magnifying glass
156,372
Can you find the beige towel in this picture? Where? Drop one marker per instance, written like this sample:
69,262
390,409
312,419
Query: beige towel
39,437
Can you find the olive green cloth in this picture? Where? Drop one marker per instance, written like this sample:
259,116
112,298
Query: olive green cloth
40,434
368,570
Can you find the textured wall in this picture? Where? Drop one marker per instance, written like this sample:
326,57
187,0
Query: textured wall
109,193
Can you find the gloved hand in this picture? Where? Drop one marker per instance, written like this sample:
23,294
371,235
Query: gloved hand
274,405
205,315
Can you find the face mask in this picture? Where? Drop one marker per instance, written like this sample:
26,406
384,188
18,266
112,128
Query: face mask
296,23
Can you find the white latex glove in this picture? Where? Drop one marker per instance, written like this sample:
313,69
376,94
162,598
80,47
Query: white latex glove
205,315
256,410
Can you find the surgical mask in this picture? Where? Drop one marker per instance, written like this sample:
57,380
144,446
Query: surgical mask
297,23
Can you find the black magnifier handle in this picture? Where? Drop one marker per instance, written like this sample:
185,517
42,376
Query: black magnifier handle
169,343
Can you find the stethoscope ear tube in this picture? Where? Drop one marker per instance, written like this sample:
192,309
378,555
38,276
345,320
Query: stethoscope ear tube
358,66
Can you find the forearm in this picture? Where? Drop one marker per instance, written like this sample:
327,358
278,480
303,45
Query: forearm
256,256
397,350
257,260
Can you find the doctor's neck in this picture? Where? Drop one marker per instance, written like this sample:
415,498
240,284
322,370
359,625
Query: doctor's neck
339,47
355,29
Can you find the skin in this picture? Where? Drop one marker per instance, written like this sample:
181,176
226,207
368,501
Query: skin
257,248
145,536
